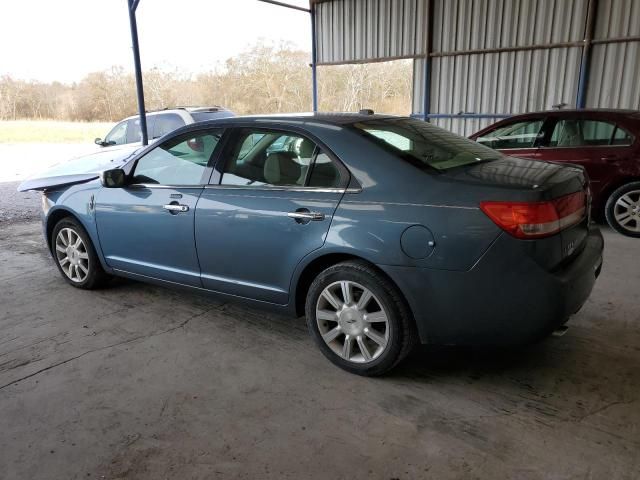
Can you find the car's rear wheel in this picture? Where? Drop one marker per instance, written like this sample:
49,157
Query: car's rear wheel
623,209
359,319
75,255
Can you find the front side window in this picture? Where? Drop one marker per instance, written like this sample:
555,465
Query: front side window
179,161
165,123
514,135
117,135
587,133
423,144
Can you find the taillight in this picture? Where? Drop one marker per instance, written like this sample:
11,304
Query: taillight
537,219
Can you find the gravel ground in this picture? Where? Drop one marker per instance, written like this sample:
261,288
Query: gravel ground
17,206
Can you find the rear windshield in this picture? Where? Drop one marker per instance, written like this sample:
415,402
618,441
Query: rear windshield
425,145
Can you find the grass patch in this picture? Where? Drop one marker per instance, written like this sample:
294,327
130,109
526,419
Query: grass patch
51,131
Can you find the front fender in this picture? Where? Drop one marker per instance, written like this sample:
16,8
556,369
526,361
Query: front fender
77,201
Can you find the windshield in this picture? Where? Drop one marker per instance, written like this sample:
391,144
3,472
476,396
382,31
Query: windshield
425,145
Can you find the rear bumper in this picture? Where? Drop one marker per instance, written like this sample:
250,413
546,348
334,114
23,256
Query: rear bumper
505,299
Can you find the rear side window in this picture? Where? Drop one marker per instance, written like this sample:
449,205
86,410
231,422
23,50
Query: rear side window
585,133
423,144
165,123
324,173
621,137
515,135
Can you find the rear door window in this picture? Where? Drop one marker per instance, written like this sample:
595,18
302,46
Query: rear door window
521,134
276,158
573,132
165,123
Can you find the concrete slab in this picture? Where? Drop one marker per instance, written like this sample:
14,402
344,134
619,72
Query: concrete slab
139,382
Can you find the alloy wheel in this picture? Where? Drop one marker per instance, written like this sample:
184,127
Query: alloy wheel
626,211
352,322
72,255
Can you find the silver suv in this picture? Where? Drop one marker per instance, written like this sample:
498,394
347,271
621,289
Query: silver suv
160,122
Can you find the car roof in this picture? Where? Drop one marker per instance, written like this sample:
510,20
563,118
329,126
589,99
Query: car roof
329,118
214,108
569,111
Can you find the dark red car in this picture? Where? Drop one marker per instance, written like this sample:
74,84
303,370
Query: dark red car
605,142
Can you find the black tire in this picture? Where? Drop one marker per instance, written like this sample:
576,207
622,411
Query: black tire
613,209
402,333
96,277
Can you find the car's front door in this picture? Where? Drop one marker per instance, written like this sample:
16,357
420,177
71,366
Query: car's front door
147,227
270,203
596,144
517,138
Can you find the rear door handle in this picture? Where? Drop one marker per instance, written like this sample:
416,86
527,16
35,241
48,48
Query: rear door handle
609,158
176,208
302,216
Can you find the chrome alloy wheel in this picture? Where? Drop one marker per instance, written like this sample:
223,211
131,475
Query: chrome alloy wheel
352,322
72,255
626,211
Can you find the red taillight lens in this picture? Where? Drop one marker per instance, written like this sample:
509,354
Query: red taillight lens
537,219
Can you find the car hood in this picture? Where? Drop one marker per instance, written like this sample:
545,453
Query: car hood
80,169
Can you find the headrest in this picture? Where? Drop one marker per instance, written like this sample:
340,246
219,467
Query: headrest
280,169
305,150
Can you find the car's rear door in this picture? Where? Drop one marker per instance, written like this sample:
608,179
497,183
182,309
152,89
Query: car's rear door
147,227
270,202
584,138
517,137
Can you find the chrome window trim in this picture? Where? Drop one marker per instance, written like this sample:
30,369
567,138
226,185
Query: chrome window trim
284,188
248,188
590,146
153,185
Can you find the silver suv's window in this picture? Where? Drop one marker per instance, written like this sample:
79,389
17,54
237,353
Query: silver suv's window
117,135
165,123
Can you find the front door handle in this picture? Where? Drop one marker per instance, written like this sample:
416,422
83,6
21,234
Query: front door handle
176,208
609,158
304,216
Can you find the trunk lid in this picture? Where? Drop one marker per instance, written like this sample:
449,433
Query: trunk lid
520,181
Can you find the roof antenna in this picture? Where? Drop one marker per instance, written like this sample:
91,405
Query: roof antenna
366,111
559,106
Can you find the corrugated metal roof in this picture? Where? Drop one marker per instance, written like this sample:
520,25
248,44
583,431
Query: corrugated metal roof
368,30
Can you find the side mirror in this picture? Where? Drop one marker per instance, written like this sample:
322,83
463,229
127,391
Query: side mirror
114,178
98,141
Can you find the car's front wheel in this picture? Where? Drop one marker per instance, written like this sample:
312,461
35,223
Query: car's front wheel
358,319
623,209
75,255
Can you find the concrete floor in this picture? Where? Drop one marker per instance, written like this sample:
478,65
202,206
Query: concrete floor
140,382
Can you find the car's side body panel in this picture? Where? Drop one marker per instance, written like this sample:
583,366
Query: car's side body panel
137,234
248,245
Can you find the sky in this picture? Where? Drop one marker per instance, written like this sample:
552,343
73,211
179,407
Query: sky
63,40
